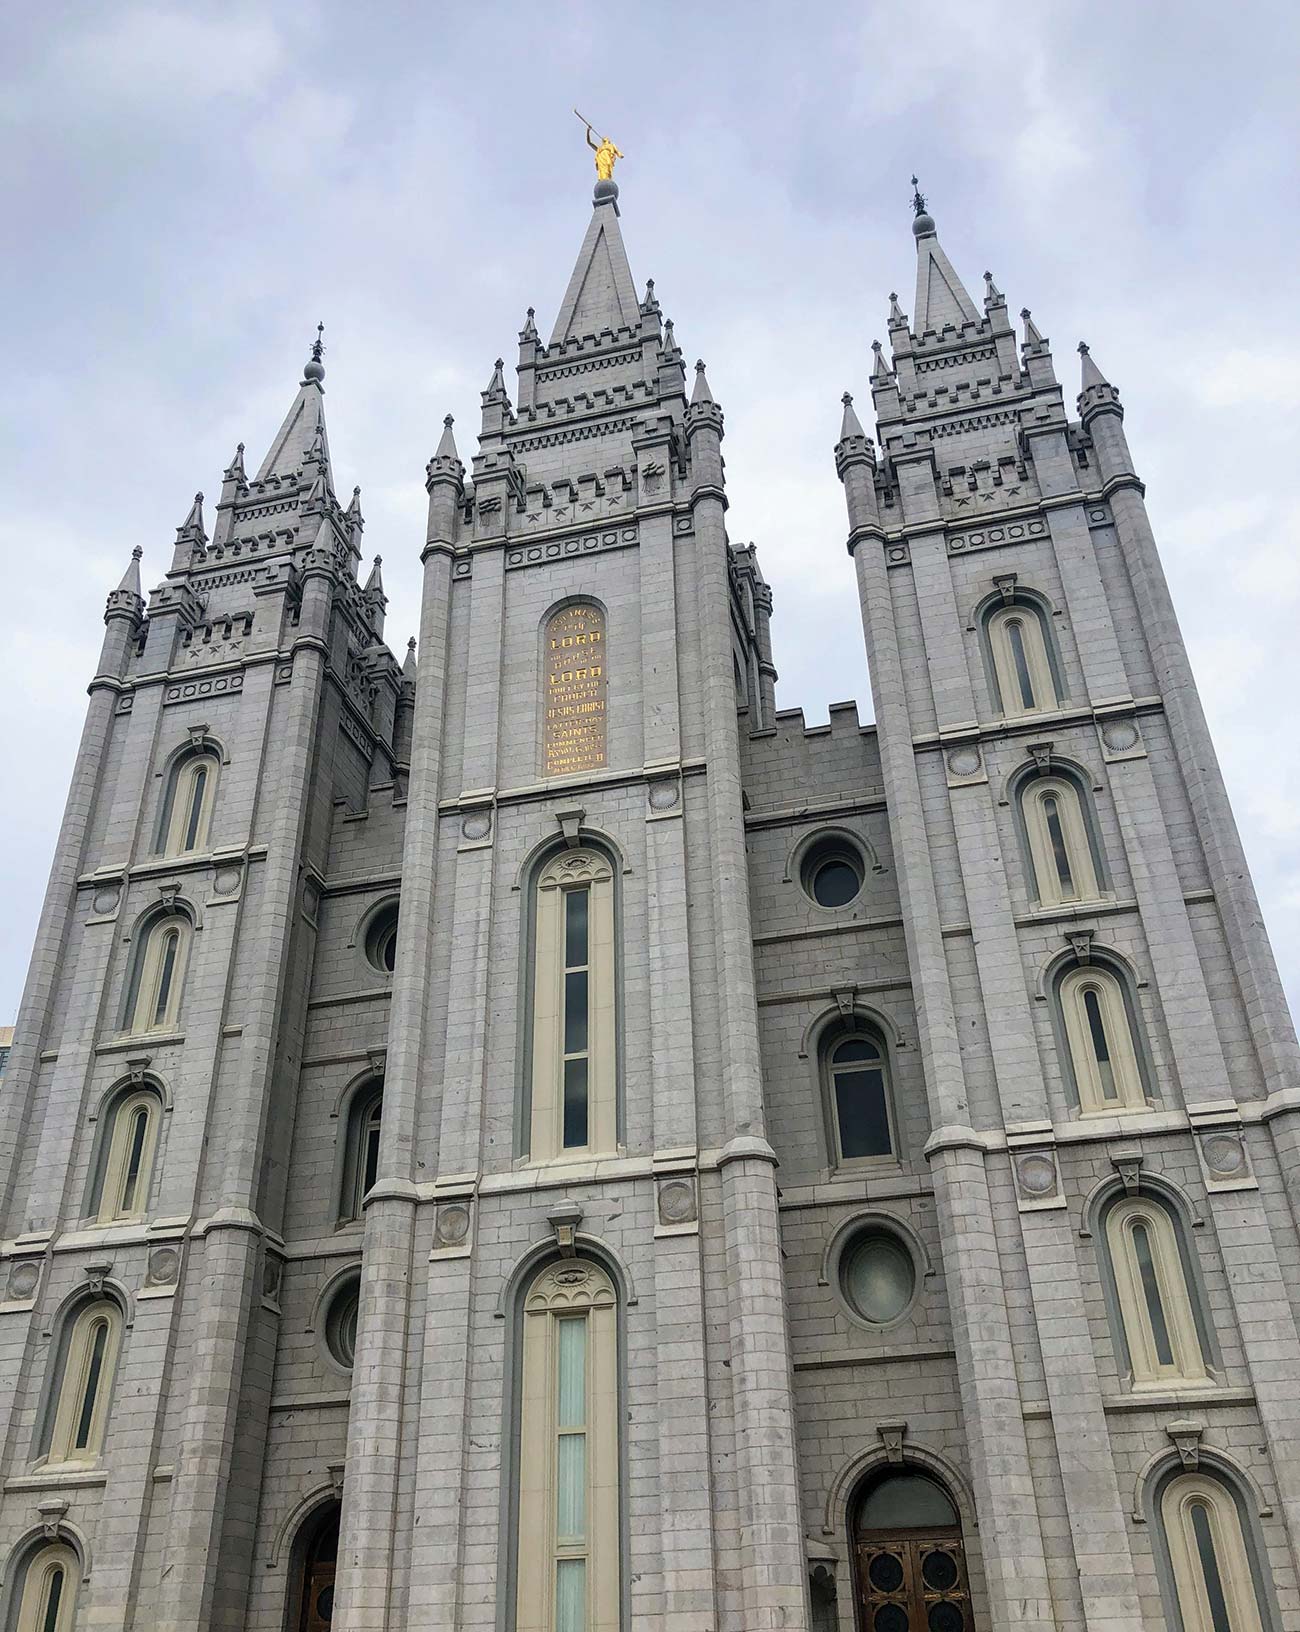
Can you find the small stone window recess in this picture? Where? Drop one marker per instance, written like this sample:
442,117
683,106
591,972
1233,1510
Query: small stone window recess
832,871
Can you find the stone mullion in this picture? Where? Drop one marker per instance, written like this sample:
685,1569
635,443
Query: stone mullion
1011,1536
377,1413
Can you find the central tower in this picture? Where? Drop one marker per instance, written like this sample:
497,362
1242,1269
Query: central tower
575,1201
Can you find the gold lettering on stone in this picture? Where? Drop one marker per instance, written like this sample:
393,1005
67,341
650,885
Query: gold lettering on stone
574,702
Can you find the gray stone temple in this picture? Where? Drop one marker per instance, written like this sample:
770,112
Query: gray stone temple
541,1140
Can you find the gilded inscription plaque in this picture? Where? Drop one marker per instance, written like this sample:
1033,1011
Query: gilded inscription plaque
574,701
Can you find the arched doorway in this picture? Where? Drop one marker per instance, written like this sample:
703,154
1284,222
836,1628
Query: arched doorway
909,1561
317,1557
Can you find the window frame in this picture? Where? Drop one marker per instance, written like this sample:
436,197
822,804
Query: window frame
558,873
78,1358
1187,1331
1182,1575
1078,842
177,812
115,1150
147,968
30,1611
831,1039
364,1110
1123,1034
1041,666
561,1290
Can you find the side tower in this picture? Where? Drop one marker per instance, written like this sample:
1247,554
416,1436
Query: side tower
571,1401
150,1098
1109,1065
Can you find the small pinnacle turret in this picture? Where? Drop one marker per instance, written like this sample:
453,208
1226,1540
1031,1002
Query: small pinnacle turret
1032,336
409,665
529,330
1096,392
993,296
127,600
496,386
850,424
701,393
191,538
879,367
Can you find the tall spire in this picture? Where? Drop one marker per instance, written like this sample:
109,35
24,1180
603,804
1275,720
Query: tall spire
127,600
302,434
941,297
601,293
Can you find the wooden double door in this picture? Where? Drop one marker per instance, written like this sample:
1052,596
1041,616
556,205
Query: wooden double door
912,1581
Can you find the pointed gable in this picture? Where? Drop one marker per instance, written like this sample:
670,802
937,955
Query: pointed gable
601,294
294,441
940,296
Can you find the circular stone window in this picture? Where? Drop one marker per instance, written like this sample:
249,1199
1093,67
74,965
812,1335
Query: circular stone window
877,1277
341,1323
832,872
381,939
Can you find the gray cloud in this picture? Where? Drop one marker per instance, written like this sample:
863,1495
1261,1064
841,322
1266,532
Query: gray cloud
188,188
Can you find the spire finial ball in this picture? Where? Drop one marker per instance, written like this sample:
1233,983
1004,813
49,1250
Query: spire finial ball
137,553
847,399
448,421
315,369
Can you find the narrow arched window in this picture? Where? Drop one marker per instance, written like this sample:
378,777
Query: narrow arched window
1099,1036
361,1155
909,1557
856,1075
315,1564
574,1047
1059,848
567,1513
187,808
157,973
131,1139
1022,667
1159,1325
84,1383
48,1599
1213,1579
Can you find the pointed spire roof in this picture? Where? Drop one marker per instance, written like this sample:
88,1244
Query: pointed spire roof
850,426
601,294
529,330
896,313
354,509
993,296
1032,336
302,434
941,296
409,666
880,368
191,530
130,584
446,448
375,582
701,393
1092,375
496,386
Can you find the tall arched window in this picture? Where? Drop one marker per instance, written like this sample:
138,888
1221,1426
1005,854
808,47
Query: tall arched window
855,1070
157,974
1099,1036
361,1152
187,808
84,1383
1022,668
130,1143
47,1601
574,1048
1155,1305
567,1525
1213,1580
1064,867
909,1558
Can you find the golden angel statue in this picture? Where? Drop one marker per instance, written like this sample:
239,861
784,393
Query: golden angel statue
605,151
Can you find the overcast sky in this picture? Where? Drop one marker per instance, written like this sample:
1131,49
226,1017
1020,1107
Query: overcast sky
189,188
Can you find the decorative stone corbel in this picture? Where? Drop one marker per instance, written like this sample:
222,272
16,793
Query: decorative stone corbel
1128,1164
564,1220
1186,1435
168,892
198,735
570,820
1006,586
96,1274
51,1511
378,1058
335,1471
1042,756
844,998
891,1437
137,1065
1081,942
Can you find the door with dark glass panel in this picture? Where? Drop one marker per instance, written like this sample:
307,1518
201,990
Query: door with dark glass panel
909,1560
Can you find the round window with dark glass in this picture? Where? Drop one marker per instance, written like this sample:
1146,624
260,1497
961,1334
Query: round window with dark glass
832,872
381,939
